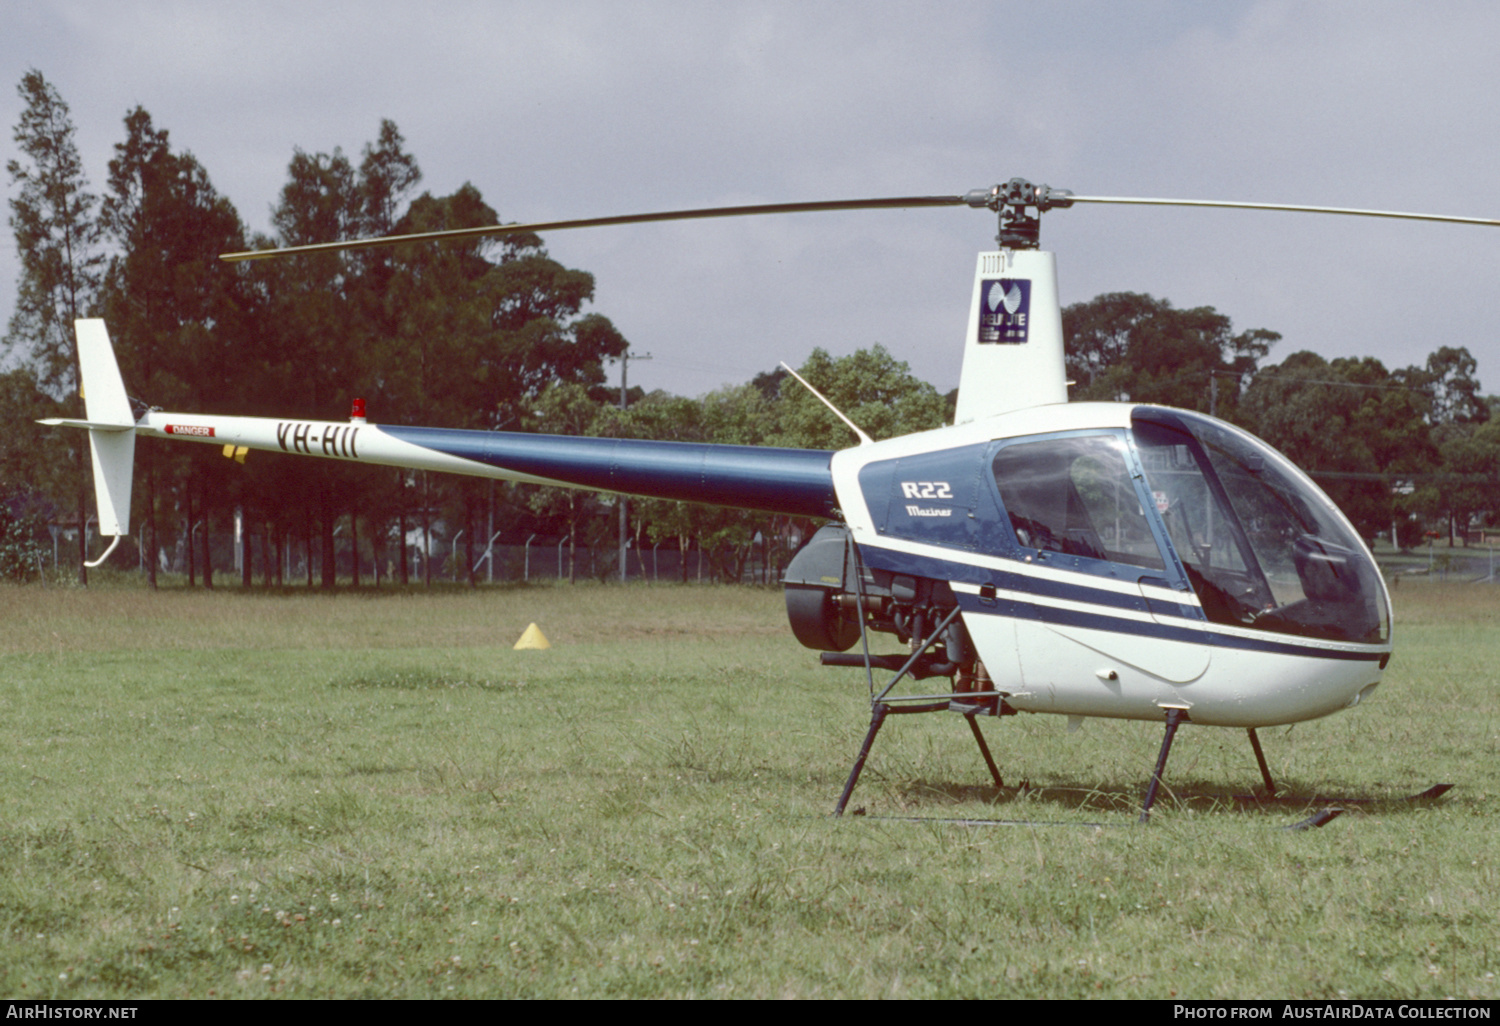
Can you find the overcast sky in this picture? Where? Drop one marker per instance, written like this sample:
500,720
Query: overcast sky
577,109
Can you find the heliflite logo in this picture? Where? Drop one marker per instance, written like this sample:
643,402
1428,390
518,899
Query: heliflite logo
1005,311
195,430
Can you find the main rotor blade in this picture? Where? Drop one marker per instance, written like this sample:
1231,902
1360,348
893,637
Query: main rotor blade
973,199
596,222
1293,207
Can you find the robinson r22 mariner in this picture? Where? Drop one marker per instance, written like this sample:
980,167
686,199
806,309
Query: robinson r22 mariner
1086,559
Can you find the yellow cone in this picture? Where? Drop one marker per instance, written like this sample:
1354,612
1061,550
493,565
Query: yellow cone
533,637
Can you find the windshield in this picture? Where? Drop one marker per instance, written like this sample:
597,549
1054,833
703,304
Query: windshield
1263,547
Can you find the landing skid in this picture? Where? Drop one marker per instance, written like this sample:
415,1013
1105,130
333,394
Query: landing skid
974,703
1432,794
992,703
971,705
1320,818
989,703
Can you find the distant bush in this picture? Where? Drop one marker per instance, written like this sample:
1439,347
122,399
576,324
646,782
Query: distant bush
23,534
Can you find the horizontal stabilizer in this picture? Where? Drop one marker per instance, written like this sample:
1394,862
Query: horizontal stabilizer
91,425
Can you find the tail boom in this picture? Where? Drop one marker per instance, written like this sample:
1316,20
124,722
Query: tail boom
796,482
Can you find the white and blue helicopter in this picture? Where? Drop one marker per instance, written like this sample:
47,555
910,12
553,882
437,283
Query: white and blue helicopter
1113,560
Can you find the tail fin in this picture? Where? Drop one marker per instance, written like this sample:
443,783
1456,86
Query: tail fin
104,396
111,428
1013,356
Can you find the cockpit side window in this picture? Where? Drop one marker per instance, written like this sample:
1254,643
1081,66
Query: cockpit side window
1074,495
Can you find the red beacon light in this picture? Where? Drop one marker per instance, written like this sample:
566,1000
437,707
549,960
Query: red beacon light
357,412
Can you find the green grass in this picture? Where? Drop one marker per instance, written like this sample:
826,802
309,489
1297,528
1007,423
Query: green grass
373,795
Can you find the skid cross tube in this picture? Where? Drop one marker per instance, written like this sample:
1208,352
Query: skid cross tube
877,717
882,706
921,650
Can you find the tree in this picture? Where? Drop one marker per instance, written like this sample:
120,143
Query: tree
175,310
870,386
1448,378
462,334
492,323
873,389
1471,473
567,409
1124,344
1352,425
387,175
28,474
57,236
483,331
315,347
337,327
1464,434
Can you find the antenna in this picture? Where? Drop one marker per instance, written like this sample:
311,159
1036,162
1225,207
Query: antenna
864,439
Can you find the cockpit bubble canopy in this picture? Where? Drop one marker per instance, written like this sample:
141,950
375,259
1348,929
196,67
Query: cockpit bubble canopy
1263,546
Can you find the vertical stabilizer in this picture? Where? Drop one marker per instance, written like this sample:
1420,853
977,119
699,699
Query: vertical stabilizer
114,458
111,426
1013,354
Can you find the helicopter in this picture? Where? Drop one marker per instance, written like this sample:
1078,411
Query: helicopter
1114,560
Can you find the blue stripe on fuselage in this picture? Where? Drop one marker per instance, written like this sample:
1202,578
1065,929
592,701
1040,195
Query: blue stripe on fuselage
1192,629
798,482
1153,629
1042,587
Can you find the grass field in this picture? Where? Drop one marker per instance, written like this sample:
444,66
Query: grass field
372,795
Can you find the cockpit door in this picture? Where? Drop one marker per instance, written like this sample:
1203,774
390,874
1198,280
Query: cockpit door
1108,614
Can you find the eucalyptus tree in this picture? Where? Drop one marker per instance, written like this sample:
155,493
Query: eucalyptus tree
1357,428
1465,435
388,175
483,329
871,387
1453,390
315,345
178,315
54,218
1471,474
1124,344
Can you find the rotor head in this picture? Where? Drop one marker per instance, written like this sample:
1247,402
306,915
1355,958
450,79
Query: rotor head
1020,205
